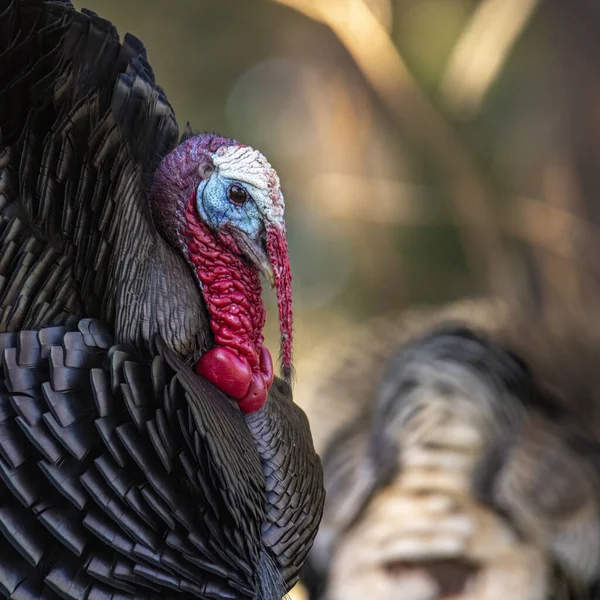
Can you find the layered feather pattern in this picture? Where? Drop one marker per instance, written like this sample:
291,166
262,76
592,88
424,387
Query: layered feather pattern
124,474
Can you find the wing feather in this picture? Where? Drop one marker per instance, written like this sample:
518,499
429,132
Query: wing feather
83,125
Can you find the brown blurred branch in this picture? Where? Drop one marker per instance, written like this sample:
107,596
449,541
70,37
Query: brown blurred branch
482,50
542,225
381,64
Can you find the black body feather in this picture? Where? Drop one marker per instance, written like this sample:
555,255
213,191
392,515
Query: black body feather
124,474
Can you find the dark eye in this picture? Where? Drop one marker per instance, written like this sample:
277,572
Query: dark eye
237,194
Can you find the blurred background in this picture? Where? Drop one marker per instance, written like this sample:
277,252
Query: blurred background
429,150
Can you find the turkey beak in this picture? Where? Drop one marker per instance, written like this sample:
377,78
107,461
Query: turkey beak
256,252
268,274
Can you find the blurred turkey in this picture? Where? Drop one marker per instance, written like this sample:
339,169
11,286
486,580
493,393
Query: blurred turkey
461,446
140,454
469,466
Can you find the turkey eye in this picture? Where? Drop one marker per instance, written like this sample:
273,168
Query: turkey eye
237,194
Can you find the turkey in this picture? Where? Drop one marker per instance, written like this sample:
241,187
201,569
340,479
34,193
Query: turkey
469,466
146,448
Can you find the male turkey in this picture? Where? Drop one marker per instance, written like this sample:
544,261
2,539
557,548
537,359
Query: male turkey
140,454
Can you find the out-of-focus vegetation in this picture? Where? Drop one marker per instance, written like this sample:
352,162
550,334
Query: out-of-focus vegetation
427,148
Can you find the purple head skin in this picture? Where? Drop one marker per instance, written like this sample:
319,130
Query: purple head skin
177,177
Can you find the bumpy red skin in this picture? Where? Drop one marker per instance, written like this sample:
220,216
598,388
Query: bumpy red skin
239,365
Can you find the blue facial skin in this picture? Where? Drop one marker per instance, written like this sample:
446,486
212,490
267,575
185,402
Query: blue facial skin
216,209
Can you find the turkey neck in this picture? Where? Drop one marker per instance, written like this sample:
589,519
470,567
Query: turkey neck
231,288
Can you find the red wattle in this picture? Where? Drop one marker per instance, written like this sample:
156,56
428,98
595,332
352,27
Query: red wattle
230,286
256,396
260,384
266,366
227,370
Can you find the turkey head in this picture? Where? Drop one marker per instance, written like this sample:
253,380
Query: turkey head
220,205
